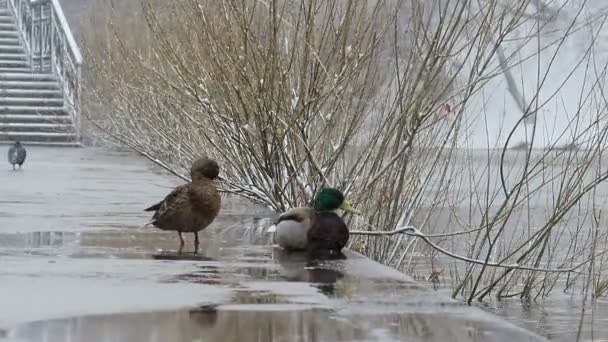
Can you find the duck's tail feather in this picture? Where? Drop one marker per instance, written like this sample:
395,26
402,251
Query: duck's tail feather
154,207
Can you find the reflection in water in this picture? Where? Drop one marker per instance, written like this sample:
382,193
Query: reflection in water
180,256
207,274
301,266
38,239
262,322
254,265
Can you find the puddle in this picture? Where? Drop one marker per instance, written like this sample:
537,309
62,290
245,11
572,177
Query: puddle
249,293
261,322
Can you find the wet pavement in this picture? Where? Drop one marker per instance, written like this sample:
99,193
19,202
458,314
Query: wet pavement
75,265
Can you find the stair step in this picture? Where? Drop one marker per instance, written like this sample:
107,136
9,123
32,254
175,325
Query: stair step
59,119
28,84
5,19
37,93
49,134
11,49
8,27
40,119
36,127
13,56
31,125
38,143
26,77
9,34
12,64
32,110
30,101
27,138
10,41
15,69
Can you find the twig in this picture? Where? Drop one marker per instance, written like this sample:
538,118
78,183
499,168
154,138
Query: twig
413,231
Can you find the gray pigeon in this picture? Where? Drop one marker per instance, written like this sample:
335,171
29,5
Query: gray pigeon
16,154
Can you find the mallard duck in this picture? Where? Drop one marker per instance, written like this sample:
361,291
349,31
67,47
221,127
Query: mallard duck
191,207
317,227
16,154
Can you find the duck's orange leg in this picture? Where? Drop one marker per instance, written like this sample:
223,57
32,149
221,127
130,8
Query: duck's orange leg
181,242
196,242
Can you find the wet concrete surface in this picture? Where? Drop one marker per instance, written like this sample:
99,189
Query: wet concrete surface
75,265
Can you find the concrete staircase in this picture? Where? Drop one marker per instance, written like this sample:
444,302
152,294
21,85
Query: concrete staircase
32,108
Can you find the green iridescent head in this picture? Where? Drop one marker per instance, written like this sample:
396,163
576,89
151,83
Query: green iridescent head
330,199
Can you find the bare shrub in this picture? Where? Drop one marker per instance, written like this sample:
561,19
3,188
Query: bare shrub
377,98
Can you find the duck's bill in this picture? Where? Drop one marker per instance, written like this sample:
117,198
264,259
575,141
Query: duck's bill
346,206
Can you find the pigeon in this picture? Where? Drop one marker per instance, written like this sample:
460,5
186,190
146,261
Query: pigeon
16,154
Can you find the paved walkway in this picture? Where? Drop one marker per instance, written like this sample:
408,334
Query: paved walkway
74,266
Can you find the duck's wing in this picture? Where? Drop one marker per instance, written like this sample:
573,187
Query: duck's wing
12,155
292,227
21,153
299,214
328,232
174,199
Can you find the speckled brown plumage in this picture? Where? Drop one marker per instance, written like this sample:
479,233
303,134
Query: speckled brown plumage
191,207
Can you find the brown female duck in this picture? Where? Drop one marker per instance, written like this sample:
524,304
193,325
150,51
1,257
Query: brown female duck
191,207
